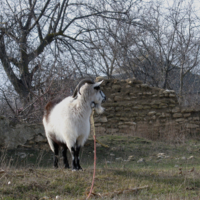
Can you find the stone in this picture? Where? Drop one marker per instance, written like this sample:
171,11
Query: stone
180,120
40,138
192,126
152,113
191,157
187,110
131,158
130,123
176,110
127,98
119,159
116,87
144,86
141,160
172,95
196,118
153,117
117,98
102,119
139,107
187,115
154,106
177,115
161,155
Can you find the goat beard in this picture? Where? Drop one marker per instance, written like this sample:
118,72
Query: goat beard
99,109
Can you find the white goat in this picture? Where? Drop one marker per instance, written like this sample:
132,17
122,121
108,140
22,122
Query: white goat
67,122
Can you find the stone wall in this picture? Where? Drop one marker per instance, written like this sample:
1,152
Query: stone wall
136,109
132,108
20,135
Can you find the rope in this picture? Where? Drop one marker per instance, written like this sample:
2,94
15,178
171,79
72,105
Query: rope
94,136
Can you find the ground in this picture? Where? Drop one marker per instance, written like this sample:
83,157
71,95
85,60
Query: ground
157,169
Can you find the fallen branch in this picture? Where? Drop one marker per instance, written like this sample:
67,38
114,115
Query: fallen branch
103,145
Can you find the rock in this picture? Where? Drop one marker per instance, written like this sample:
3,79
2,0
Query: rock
176,166
152,113
40,138
102,119
161,155
180,120
176,110
172,95
131,158
177,115
192,126
116,87
183,158
112,154
119,159
191,157
117,98
187,115
141,160
144,86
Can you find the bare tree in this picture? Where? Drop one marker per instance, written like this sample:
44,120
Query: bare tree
164,41
30,28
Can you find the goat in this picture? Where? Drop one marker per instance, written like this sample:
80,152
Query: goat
67,122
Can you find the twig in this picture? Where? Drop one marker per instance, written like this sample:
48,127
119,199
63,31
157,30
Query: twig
39,96
8,103
104,145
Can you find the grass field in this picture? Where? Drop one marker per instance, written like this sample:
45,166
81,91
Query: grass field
131,168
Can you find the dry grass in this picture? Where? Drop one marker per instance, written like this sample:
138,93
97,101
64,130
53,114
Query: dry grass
172,178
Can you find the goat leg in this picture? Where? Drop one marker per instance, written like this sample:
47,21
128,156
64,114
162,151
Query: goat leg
64,154
75,158
56,152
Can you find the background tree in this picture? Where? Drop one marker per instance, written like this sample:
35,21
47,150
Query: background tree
164,47
29,29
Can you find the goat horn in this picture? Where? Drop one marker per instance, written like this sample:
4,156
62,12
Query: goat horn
82,82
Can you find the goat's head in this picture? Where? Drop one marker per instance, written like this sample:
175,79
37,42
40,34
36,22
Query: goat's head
91,91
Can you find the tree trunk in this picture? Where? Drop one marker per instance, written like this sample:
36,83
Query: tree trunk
23,85
181,86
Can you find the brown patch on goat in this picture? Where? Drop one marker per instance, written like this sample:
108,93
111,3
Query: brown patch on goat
49,106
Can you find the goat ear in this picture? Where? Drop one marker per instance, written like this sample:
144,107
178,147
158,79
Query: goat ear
98,84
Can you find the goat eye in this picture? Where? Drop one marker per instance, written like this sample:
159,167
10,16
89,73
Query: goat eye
97,88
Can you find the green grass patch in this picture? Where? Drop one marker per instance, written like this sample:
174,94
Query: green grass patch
175,174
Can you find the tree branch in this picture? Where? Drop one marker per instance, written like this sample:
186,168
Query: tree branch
41,14
47,40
